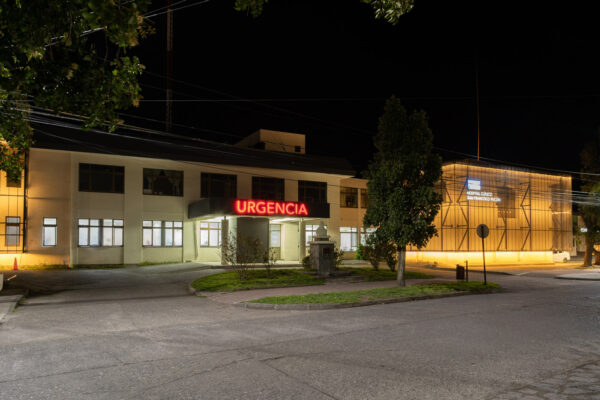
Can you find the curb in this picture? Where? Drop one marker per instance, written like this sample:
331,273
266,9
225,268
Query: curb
12,302
577,279
429,266
310,307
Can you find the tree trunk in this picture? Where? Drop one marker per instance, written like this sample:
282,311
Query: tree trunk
589,247
401,265
596,257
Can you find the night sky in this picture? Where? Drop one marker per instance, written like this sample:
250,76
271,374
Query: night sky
538,75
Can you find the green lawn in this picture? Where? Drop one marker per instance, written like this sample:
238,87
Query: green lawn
229,282
371,275
353,296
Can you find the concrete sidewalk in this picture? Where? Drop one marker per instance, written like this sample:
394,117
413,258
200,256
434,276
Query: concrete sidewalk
247,295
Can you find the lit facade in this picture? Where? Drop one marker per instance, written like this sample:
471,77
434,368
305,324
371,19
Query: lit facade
139,202
528,213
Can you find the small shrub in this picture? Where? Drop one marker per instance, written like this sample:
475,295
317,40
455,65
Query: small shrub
306,263
359,254
269,257
338,255
241,252
371,254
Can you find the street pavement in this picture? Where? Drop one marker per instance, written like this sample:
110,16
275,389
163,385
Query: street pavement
138,334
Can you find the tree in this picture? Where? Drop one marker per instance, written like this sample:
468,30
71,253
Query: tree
241,253
402,198
390,10
590,211
66,56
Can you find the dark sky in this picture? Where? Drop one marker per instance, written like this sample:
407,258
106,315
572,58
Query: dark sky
539,74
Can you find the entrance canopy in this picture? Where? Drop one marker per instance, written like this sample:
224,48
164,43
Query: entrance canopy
215,206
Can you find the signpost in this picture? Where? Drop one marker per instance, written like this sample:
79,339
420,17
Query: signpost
483,231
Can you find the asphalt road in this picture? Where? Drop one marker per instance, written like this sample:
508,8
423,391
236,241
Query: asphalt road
139,335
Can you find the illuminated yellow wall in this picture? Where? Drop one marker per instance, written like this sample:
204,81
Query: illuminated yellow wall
525,211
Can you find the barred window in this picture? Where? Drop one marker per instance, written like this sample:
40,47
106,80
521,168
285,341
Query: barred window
12,230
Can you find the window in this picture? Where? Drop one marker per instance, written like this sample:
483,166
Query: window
267,188
163,182
112,232
100,232
310,231
12,231
365,235
348,238
101,178
218,185
348,197
89,232
49,232
364,198
210,234
274,235
312,192
162,233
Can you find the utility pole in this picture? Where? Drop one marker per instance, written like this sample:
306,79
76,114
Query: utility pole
169,93
477,101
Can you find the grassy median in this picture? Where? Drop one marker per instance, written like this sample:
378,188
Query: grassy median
353,296
257,279
371,275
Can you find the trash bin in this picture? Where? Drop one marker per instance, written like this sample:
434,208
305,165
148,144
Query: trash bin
460,272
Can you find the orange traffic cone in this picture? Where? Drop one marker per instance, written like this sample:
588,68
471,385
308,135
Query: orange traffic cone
15,265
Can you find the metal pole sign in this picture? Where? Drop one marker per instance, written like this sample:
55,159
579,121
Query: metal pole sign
483,231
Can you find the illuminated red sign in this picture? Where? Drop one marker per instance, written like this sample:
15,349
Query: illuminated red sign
269,207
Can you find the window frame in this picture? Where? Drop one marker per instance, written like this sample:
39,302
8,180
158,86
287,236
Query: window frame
208,179
168,172
54,227
353,232
117,173
313,230
346,191
364,198
7,225
100,225
162,230
208,228
317,186
272,230
260,184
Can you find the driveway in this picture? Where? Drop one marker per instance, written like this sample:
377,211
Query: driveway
137,335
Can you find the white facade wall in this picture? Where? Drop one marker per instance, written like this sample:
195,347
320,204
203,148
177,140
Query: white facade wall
53,191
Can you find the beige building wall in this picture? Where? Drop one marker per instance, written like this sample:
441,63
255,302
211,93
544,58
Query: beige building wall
53,191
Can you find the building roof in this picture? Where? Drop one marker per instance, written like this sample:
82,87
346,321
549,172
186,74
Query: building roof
159,145
488,164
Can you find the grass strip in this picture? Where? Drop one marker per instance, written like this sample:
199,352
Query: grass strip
353,296
371,275
257,279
